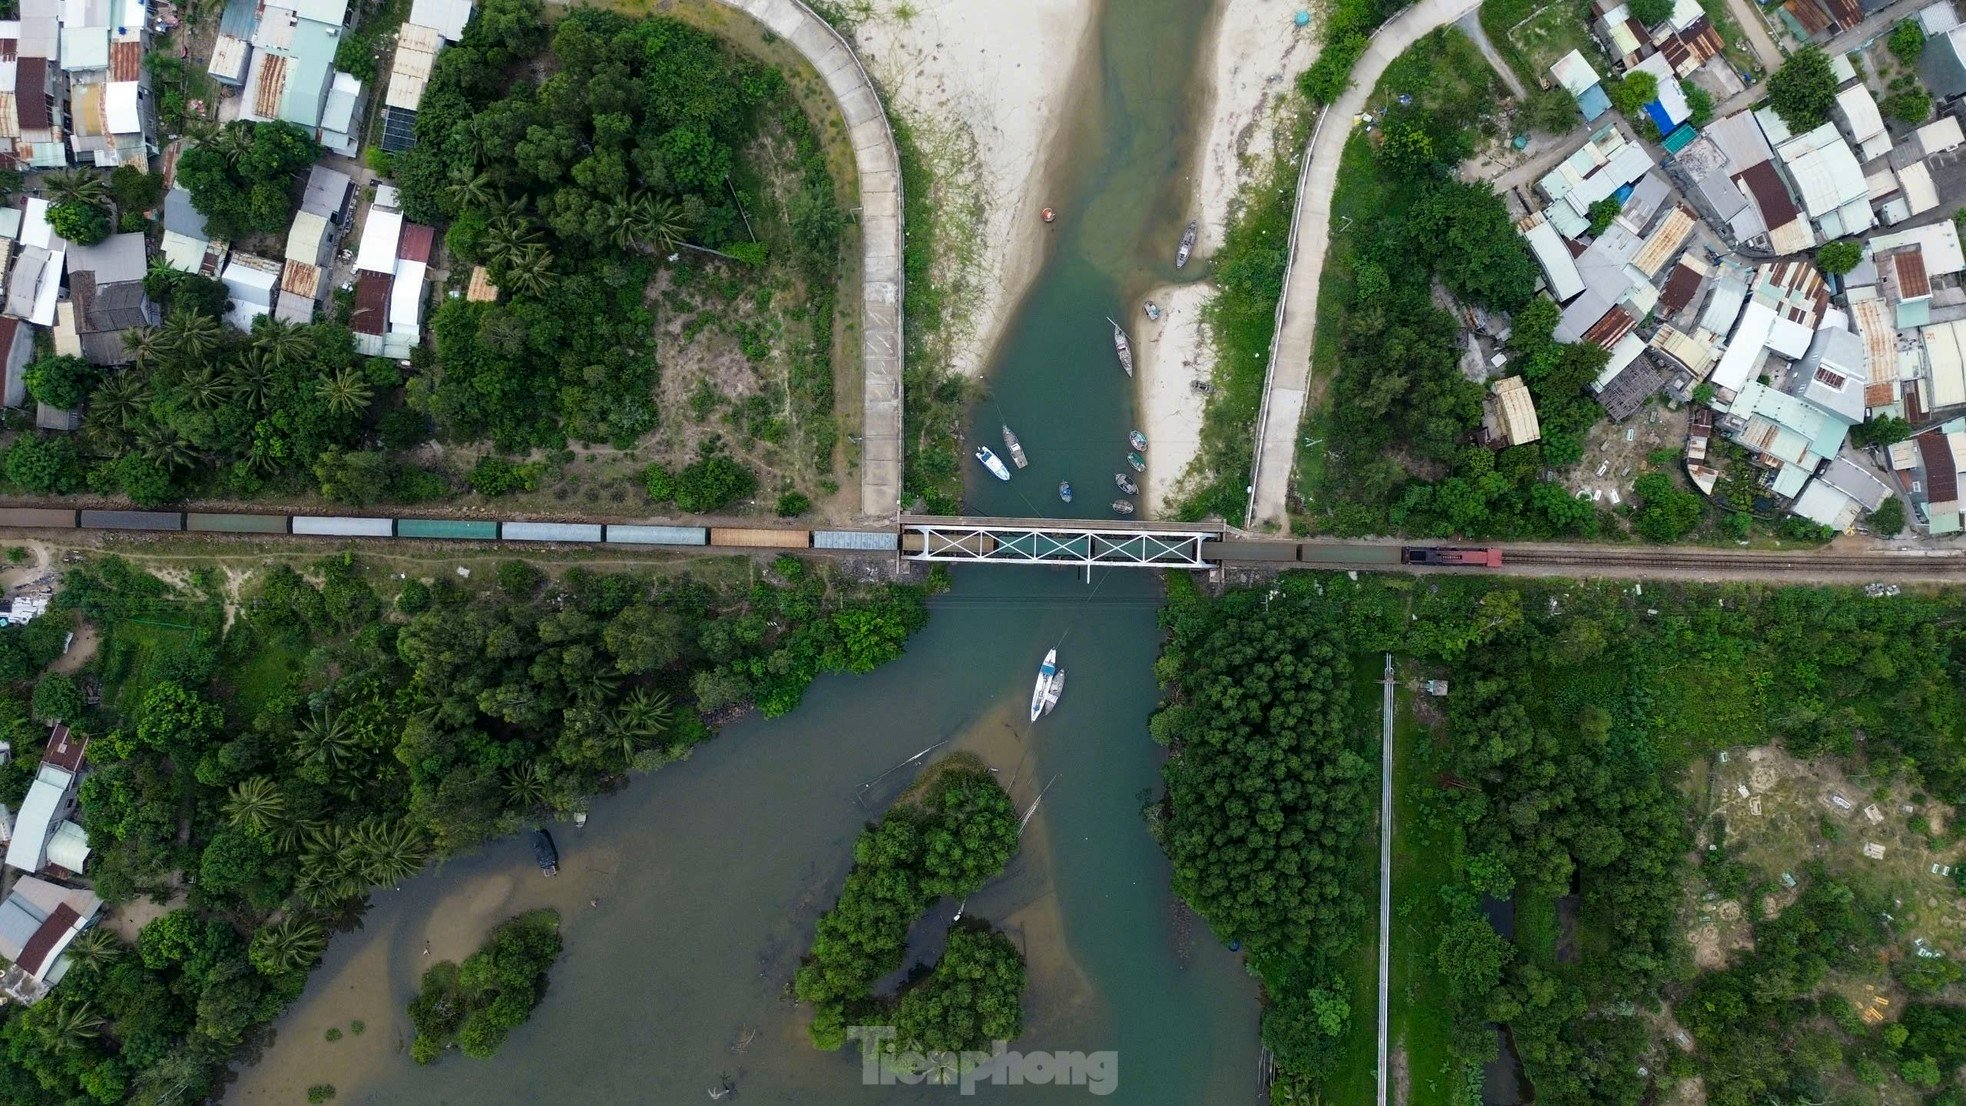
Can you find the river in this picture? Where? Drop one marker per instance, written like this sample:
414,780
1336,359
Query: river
689,897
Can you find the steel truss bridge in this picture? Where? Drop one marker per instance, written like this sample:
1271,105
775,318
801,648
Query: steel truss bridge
1066,542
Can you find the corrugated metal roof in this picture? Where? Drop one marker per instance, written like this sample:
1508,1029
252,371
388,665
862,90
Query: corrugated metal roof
1909,268
229,59
1945,364
380,233
1770,195
371,314
120,109
1671,234
269,84
1681,286
481,289
1613,326
125,61
415,242
299,278
1941,472
406,298
448,17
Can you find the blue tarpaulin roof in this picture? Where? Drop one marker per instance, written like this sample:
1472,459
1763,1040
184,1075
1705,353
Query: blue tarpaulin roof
1660,119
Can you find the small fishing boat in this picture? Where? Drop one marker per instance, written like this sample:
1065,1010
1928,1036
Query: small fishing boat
1052,693
1122,347
1137,440
1047,673
1187,246
1048,214
990,462
545,852
1015,447
1125,484
1122,506
1138,462
1065,490
1153,311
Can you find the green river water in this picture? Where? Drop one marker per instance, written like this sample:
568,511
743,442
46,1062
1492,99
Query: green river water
689,897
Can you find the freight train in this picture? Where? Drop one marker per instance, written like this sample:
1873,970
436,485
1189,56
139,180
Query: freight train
344,526
1362,555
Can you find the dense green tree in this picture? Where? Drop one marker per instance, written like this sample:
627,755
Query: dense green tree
1838,258
241,178
1803,90
1665,513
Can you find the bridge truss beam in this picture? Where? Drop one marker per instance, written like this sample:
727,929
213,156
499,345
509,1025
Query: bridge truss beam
1053,543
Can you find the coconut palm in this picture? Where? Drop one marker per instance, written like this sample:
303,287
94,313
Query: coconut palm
142,345
525,788
72,1024
76,186
93,947
645,713
291,944
326,880
252,378
255,805
595,684
206,387
655,221
166,447
292,833
468,189
122,401
326,740
284,343
189,335
529,271
388,852
345,392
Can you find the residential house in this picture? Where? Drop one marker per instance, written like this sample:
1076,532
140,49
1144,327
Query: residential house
432,25
1779,316
1573,74
34,282
38,920
252,283
1558,264
1942,64
102,48
1863,122
1824,173
50,801
187,245
40,103
1509,414
1731,170
16,350
311,244
1599,169
233,47
105,292
1819,20
291,74
1841,492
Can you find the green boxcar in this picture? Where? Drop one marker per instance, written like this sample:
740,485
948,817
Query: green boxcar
446,528
236,524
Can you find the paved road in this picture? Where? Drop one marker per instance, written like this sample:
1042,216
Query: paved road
878,164
1385,869
1288,384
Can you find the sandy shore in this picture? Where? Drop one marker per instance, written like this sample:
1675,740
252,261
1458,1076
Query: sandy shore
1252,66
986,91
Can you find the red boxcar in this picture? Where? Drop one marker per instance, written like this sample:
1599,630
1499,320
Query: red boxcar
1490,557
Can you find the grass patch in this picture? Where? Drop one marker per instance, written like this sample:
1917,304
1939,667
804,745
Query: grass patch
1535,926
267,669
932,416
1534,36
1738,51
1425,859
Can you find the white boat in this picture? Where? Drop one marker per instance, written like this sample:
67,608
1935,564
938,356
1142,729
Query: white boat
990,462
1187,246
1057,689
1048,674
1016,448
1122,347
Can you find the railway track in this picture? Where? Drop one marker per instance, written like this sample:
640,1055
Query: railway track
1937,563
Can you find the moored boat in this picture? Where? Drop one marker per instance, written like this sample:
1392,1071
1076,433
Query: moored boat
1187,247
1138,462
1065,490
1015,447
1052,693
1047,672
990,462
1153,311
1122,347
1125,484
1122,506
545,852
1137,440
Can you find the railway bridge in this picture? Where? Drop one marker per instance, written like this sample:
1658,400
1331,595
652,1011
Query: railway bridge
1039,541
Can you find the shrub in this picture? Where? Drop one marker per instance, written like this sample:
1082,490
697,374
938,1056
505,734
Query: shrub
1889,518
1913,105
44,466
82,223
793,504
60,381
1838,258
320,1092
1667,513
1602,213
1651,13
1907,41
1630,93
1803,90
713,483
519,579
494,475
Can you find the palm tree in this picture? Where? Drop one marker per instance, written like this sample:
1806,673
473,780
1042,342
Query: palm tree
206,388
468,189
293,832
252,378
285,344
93,947
166,447
346,393
595,684
508,232
142,345
121,401
646,713
529,271
327,879
76,186
255,805
71,1024
291,944
389,852
655,221
189,335
525,787
327,741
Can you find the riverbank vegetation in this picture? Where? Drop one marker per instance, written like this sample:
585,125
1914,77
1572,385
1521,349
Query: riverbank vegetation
271,746
657,215
474,1005
1546,791
950,834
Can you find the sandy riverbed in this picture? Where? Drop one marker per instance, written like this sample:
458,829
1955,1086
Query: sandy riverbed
1252,66
986,92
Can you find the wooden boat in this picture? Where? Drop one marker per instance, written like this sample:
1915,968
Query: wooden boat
1126,485
545,852
1047,672
990,462
1138,462
1187,247
1153,311
1015,447
1122,347
1137,440
1065,490
1122,506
